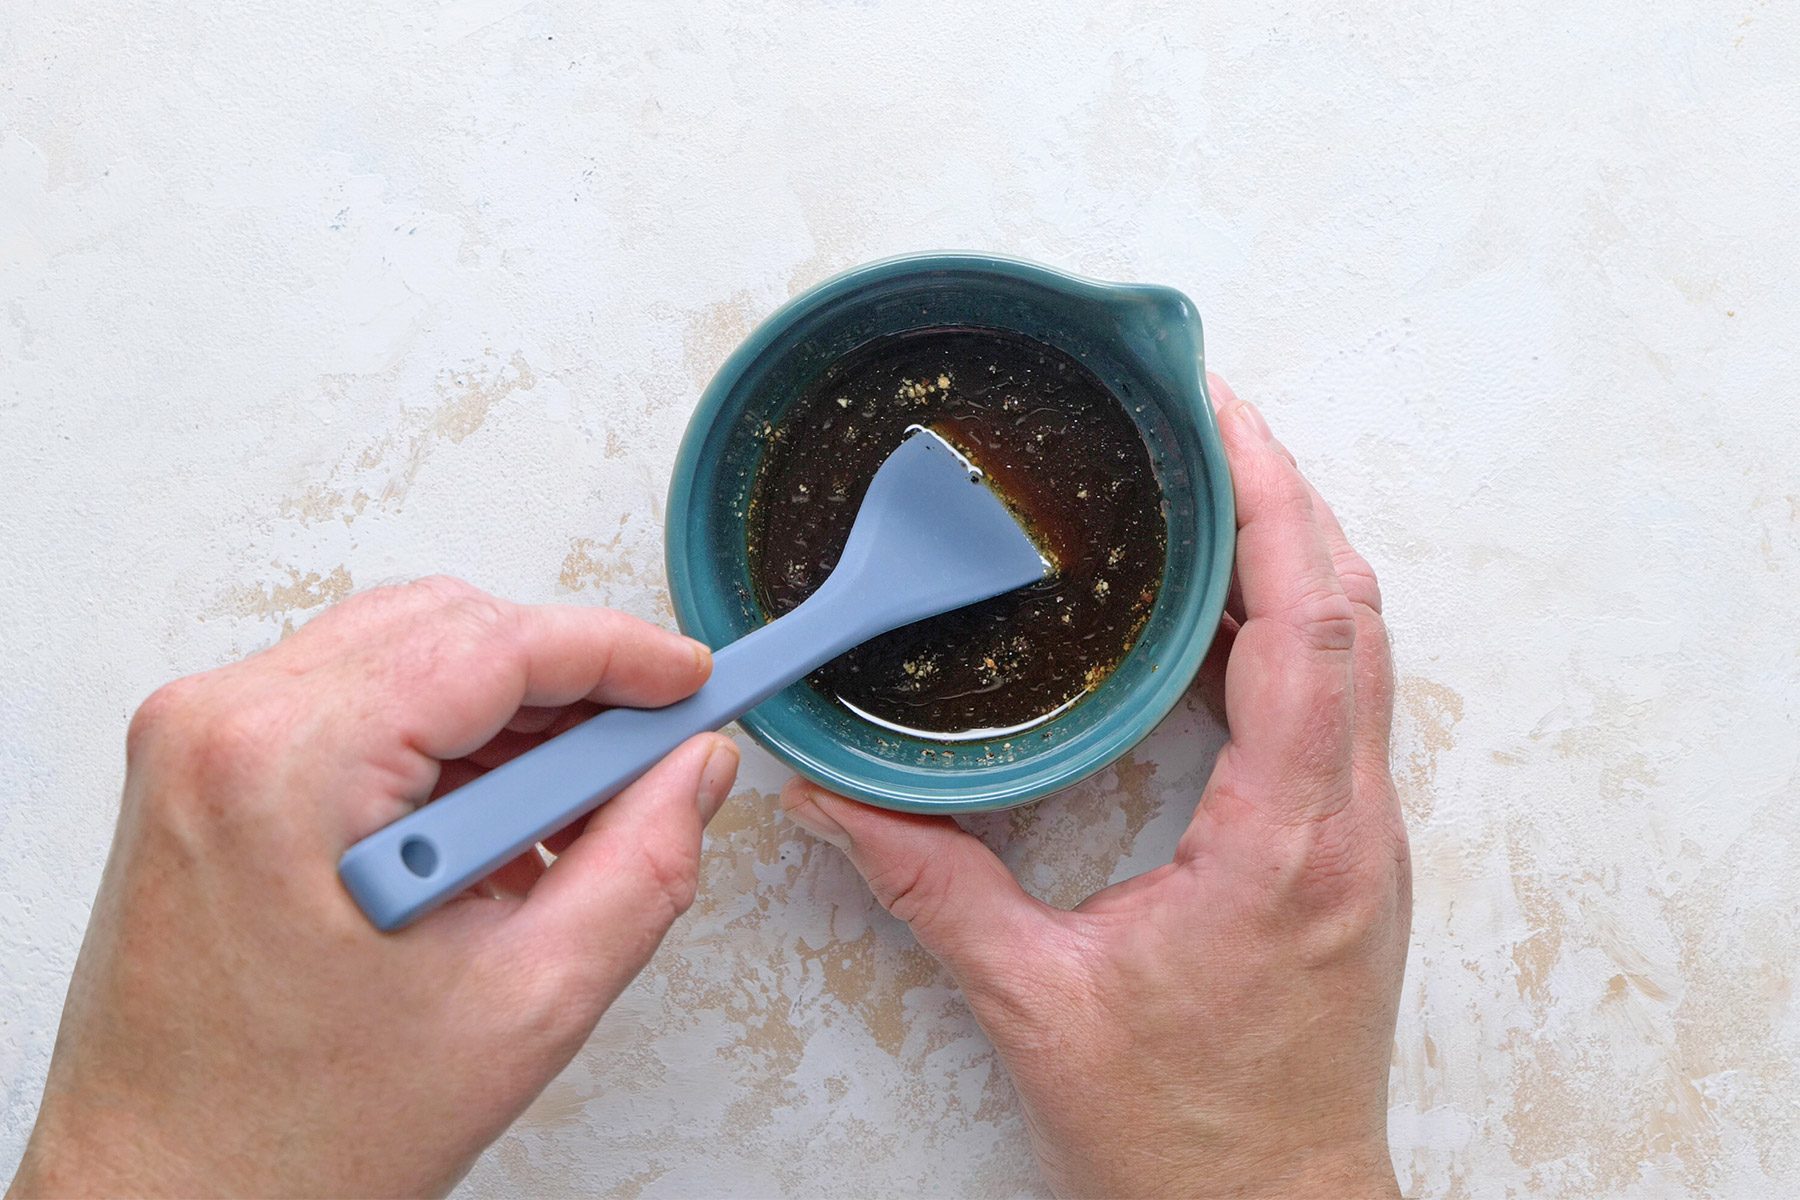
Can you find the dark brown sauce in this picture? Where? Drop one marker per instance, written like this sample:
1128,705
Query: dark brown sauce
1053,442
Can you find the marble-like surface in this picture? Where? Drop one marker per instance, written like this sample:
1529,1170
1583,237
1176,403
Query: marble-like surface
298,301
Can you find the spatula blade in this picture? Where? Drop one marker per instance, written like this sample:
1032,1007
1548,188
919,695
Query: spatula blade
931,536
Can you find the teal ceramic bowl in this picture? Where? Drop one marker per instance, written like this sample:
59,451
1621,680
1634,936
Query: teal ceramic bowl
1143,342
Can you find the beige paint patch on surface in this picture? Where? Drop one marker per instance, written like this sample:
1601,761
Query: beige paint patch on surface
592,563
624,570
292,309
382,470
1427,713
297,593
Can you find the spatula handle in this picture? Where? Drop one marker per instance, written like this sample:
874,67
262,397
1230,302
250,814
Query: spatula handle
404,870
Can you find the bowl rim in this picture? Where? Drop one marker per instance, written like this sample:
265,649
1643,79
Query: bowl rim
1151,704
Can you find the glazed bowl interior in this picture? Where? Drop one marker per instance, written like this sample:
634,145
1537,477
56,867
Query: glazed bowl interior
1144,343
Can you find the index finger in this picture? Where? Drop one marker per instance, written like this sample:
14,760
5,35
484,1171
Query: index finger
440,666
1289,697
1374,661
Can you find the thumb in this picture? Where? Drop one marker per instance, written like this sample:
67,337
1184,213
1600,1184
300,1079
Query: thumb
959,899
605,903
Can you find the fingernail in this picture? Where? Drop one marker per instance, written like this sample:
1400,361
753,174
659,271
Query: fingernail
809,816
702,656
1253,420
716,778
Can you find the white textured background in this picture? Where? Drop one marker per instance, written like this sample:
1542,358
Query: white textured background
298,302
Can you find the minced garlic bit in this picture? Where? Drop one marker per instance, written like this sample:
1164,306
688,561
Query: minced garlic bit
911,390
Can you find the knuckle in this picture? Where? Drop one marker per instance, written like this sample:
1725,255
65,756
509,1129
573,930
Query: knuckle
1283,493
607,657
377,613
483,616
1011,997
1358,579
1362,920
396,599
213,755
429,594
1326,619
670,877
238,741
913,891
209,727
163,716
1031,994
461,630
433,590
1330,859
1342,880
1064,1016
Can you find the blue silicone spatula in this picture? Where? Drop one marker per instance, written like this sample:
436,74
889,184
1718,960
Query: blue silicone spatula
929,537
